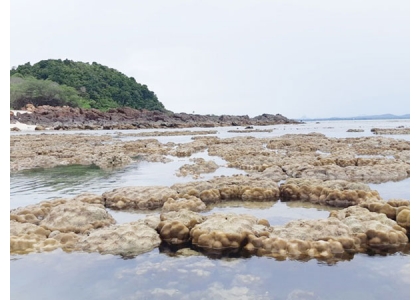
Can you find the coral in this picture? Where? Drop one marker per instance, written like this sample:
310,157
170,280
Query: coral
187,202
175,226
127,240
375,230
138,197
321,239
200,166
77,216
173,232
26,238
35,213
403,218
220,231
338,193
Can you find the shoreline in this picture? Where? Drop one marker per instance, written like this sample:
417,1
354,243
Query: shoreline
67,118
19,125
22,126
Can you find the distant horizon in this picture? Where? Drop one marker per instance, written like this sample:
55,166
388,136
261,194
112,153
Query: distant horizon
362,116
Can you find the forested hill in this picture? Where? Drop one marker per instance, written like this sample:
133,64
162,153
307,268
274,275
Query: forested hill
78,84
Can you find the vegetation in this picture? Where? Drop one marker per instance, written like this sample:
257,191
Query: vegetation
65,82
24,90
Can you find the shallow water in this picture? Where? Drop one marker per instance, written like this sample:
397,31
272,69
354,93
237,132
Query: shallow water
160,274
156,275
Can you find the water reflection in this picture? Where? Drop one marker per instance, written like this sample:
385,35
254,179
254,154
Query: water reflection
155,275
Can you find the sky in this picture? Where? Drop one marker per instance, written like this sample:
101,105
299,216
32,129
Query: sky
301,59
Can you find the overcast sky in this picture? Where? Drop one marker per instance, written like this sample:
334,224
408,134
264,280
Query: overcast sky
306,58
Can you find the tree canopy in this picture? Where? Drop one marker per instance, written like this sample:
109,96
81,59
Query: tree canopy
95,85
24,90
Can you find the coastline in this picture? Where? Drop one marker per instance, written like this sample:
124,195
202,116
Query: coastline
22,126
67,118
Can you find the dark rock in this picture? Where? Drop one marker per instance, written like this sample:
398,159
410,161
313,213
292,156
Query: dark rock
68,118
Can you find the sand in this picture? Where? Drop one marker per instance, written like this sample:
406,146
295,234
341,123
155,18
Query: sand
22,126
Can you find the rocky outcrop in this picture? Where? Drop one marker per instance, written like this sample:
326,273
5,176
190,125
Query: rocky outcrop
68,118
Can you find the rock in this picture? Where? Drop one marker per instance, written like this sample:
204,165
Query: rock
128,118
39,127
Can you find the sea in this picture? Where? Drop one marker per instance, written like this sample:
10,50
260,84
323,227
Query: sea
167,274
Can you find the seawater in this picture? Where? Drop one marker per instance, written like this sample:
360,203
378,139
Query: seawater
160,274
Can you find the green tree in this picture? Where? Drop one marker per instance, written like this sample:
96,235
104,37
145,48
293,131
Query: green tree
104,87
29,90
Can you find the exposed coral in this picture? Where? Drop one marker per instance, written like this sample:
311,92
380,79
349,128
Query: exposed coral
138,197
187,149
355,130
366,159
82,224
247,188
200,166
175,227
187,202
390,130
373,229
274,173
170,133
300,239
129,239
403,218
26,238
338,193
220,231
395,209
77,216
82,213
35,213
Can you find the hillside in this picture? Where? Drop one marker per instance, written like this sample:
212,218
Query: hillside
97,86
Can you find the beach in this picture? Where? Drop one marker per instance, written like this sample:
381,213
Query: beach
19,125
